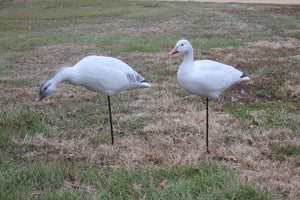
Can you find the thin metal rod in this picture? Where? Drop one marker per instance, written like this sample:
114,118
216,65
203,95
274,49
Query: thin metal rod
110,120
207,125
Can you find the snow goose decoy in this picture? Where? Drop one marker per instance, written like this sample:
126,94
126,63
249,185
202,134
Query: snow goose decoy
98,73
204,77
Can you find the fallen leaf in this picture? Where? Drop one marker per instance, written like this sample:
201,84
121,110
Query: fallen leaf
294,108
15,157
37,192
254,122
149,155
137,186
176,140
243,92
135,196
21,95
26,122
234,100
74,184
88,188
48,121
74,177
164,185
233,158
69,114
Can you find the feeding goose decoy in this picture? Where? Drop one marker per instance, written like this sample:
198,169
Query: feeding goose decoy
98,73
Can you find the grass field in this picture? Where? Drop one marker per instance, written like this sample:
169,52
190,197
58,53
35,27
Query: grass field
60,148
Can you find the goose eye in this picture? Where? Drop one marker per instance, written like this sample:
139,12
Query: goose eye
46,87
182,45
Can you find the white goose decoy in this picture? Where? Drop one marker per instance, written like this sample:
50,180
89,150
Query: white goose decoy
204,77
98,73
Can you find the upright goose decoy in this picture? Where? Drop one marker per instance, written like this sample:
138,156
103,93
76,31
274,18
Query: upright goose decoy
98,73
204,77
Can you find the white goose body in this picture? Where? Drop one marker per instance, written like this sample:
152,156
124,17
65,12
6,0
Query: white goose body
98,73
204,77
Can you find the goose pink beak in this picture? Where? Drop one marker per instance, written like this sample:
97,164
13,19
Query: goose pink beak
40,97
173,51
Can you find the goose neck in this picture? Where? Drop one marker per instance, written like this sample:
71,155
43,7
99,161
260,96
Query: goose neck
64,74
188,59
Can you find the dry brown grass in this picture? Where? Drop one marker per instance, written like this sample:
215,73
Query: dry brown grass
175,133
176,136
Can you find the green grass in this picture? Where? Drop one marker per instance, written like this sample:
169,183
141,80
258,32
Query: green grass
204,181
282,152
18,82
28,27
271,115
23,123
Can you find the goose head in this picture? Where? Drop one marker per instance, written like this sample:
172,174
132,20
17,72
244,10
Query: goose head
46,89
182,46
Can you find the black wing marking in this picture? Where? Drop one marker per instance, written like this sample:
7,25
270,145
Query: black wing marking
135,78
243,75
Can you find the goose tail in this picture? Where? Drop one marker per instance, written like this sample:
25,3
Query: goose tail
244,77
145,83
